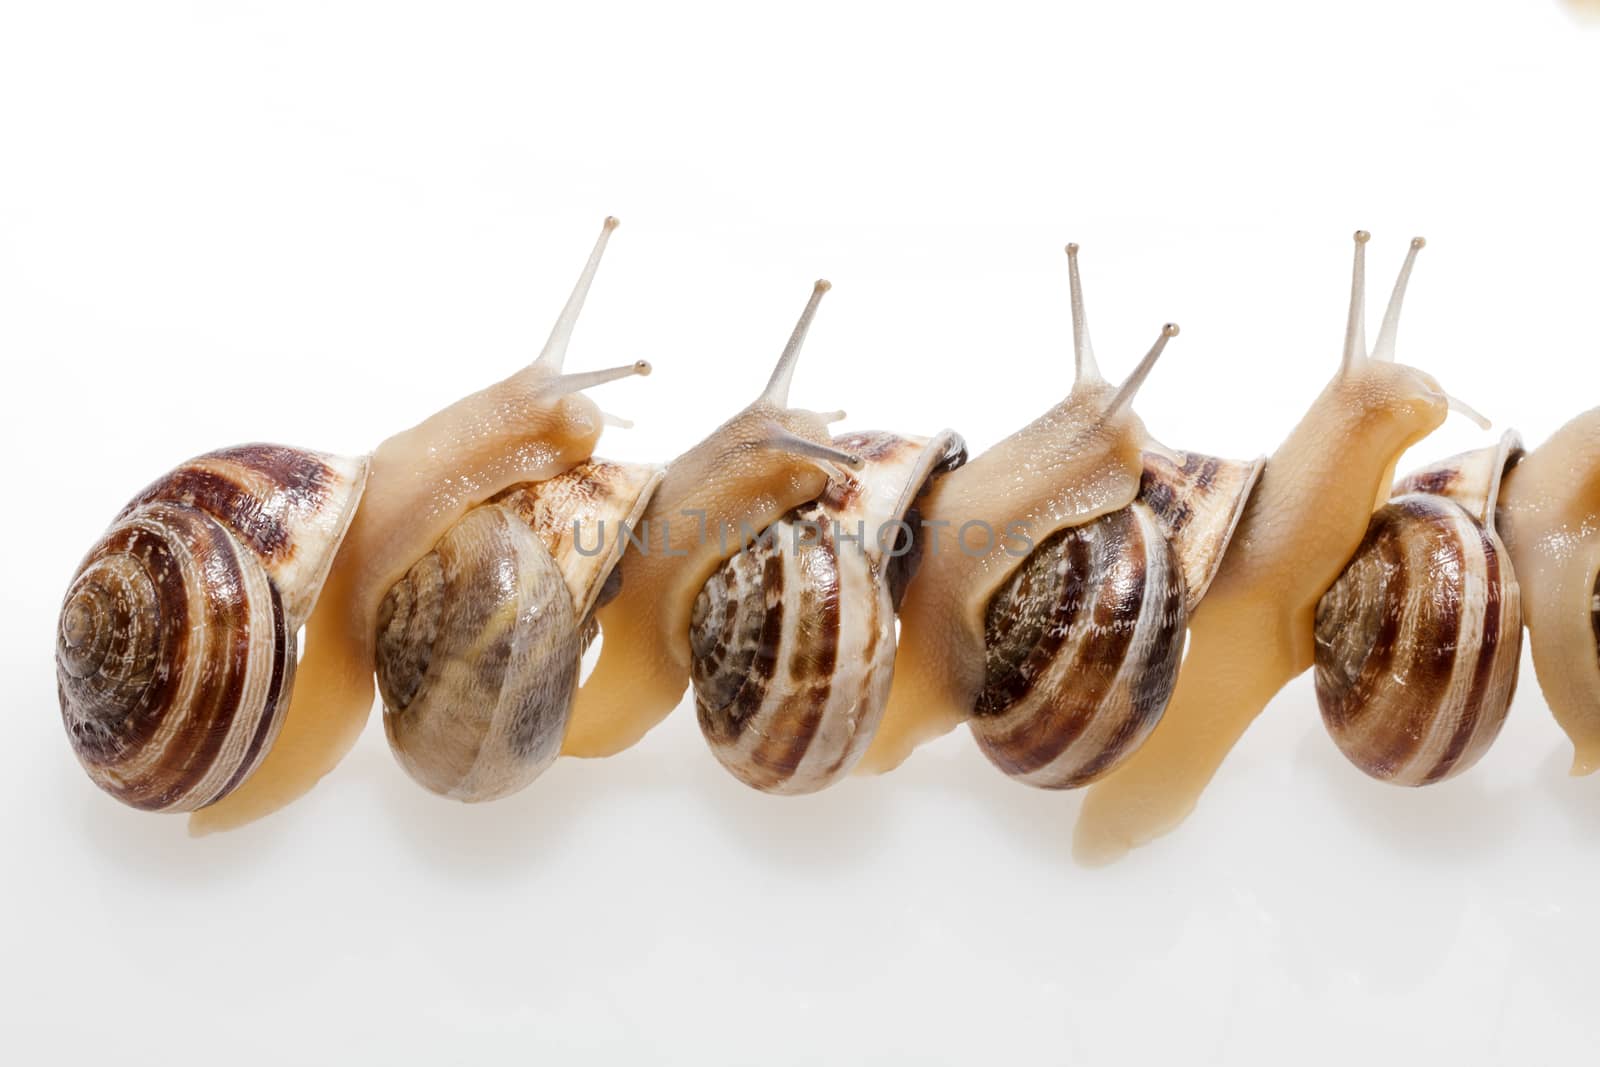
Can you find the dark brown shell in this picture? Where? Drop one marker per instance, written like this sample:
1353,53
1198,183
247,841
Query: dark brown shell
1083,643
1418,642
1082,647
792,638
176,642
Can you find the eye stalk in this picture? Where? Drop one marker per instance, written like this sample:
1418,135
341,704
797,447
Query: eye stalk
766,460
1127,390
777,391
1086,370
555,348
1355,336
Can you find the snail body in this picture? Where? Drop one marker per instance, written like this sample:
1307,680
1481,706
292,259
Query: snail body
1418,641
1550,517
478,644
529,427
754,468
1255,631
1058,639
793,637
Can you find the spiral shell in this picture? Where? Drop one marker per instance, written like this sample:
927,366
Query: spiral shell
478,645
1419,640
793,637
176,643
1083,642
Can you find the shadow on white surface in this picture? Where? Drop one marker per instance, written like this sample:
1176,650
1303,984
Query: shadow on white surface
1578,798
837,831
158,848
1451,821
503,838
1037,822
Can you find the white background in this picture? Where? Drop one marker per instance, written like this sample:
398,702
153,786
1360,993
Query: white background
316,224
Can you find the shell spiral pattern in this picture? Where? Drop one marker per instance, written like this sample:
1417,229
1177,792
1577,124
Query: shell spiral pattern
175,647
478,652
1081,651
793,637
477,569
1083,642
1418,643
768,641
478,645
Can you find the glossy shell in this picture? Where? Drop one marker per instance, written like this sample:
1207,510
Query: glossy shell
793,637
1418,642
1083,642
478,645
1081,651
176,642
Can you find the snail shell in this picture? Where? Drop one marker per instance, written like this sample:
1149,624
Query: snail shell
1082,644
793,637
1081,459
478,645
1419,639
752,470
175,649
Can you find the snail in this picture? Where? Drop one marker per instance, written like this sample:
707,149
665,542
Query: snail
175,647
1550,518
762,463
1058,637
1418,641
227,737
1082,644
478,645
1255,631
793,637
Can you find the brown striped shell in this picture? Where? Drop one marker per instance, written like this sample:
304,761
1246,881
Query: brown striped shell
478,644
1082,643
1418,642
175,649
793,637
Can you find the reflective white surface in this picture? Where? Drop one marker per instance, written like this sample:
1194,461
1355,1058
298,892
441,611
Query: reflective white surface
314,226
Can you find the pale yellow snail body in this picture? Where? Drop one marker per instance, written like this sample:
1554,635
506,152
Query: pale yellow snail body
1419,639
1550,518
760,464
1255,631
1059,632
419,483
793,637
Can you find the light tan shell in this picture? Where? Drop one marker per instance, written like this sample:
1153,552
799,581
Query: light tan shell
528,428
478,645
